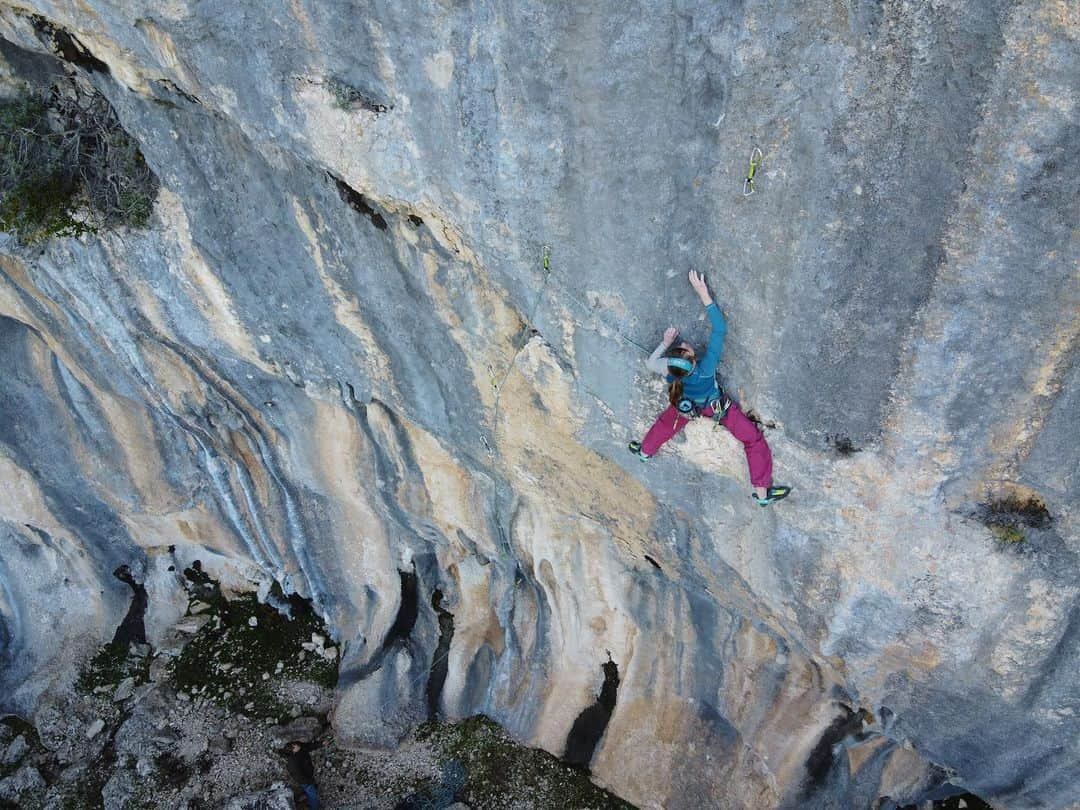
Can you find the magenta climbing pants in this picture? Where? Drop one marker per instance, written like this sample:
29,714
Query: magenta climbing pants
758,455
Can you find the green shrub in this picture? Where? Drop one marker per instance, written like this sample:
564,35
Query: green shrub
67,167
1008,533
38,195
1012,511
348,98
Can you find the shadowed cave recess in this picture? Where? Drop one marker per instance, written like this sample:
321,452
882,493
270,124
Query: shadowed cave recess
351,404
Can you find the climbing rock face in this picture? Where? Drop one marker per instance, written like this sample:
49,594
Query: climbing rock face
337,359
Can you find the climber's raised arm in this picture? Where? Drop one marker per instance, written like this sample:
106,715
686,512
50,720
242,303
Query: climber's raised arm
656,363
709,361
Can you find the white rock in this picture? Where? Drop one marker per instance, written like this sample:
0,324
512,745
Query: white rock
18,748
159,670
276,797
961,804
94,728
25,780
124,690
253,622
318,640
330,653
191,624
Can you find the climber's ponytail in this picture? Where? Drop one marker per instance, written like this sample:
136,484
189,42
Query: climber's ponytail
675,392
683,363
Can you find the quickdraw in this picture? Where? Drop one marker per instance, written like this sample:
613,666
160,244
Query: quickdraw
755,160
689,409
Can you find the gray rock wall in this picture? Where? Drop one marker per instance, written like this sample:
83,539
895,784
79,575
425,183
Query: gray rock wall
337,355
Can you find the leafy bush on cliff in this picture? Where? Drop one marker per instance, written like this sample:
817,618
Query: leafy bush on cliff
68,167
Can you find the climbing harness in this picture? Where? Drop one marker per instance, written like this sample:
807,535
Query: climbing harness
691,410
755,160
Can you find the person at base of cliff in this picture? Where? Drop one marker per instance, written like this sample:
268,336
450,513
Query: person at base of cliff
692,390
302,769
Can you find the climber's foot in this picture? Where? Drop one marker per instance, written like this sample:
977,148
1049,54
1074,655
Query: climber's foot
635,448
772,494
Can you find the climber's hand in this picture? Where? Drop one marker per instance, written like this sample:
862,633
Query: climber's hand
670,334
697,281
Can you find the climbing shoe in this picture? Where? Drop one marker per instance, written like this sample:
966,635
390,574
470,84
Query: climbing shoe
635,448
772,494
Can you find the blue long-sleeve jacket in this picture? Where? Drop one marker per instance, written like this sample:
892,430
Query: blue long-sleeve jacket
700,384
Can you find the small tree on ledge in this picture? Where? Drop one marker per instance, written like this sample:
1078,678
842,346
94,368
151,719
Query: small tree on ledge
67,167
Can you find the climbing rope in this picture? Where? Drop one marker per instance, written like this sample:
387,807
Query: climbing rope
755,160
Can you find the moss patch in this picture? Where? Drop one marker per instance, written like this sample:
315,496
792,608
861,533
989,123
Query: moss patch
1008,534
500,773
842,444
238,658
113,663
19,727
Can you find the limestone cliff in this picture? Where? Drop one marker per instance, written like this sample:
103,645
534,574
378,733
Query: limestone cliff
337,360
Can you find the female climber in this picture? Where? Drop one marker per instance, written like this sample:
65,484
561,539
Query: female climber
692,390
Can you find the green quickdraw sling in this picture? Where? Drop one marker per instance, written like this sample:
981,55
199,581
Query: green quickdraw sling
755,160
